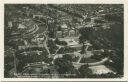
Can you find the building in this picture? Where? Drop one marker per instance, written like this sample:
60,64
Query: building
10,24
21,26
59,34
38,16
72,33
30,46
67,32
101,69
64,29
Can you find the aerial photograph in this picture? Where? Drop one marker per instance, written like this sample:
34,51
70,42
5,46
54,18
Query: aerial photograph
64,41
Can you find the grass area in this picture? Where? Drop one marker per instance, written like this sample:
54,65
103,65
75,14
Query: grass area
88,60
42,28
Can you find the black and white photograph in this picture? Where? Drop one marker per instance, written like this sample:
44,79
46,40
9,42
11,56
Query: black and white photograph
64,41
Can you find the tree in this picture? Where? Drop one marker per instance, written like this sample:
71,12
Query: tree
67,57
64,65
57,41
84,71
108,75
52,46
86,34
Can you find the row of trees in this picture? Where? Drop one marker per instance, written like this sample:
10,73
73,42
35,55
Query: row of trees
64,64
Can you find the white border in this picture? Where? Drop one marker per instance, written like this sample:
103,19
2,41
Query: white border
125,2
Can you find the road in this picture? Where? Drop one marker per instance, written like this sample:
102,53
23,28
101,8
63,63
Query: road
77,65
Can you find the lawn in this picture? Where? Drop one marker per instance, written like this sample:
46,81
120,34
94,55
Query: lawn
88,60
